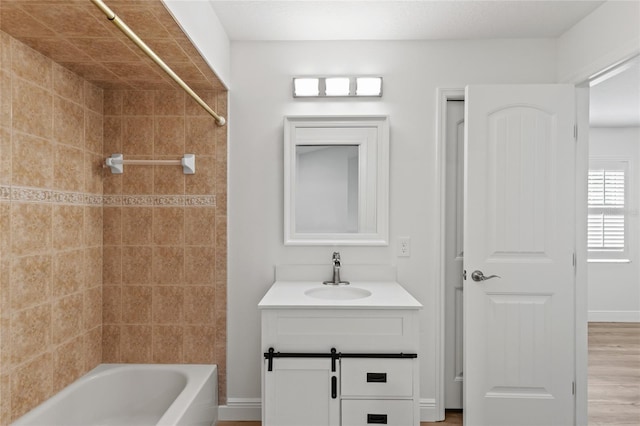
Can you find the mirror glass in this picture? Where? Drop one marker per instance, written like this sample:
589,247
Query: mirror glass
327,188
336,180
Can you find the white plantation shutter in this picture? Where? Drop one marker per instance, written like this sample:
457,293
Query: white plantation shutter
606,229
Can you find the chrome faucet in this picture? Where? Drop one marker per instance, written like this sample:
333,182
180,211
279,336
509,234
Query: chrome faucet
336,271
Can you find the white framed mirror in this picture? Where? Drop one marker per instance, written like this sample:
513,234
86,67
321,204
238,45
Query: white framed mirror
336,180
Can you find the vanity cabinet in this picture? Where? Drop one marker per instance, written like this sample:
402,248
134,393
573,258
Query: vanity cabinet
341,363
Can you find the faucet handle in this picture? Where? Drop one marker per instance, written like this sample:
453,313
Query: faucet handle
336,257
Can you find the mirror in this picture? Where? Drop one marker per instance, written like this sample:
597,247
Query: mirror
336,180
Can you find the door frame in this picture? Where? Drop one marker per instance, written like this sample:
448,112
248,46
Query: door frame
580,321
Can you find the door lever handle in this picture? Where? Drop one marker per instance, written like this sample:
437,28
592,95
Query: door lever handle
479,276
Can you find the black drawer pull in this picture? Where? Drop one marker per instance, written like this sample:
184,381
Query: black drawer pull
376,419
376,377
334,387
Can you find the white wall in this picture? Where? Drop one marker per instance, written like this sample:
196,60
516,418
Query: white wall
261,97
614,288
607,35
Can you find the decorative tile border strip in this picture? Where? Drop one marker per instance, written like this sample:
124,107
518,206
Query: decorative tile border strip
38,195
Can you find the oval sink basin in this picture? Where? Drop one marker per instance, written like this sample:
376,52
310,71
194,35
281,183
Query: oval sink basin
338,293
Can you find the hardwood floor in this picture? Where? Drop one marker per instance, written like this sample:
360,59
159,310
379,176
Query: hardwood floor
614,378
614,374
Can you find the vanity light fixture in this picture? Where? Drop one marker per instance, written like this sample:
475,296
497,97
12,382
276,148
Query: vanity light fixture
339,86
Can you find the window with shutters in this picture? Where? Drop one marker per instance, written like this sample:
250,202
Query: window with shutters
607,209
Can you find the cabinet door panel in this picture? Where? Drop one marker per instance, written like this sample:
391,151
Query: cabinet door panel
298,392
374,412
377,377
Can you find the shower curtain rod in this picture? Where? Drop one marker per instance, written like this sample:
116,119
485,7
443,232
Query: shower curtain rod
146,49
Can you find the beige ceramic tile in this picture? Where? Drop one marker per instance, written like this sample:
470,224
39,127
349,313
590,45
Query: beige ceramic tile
30,228
169,136
136,265
112,131
113,102
93,226
167,344
93,131
68,363
199,265
136,304
5,152
68,272
93,266
168,226
168,265
169,102
199,344
169,180
137,225
112,304
68,122
111,337
137,136
93,97
199,305
93,348
69,171
30,332
68,228
137,103
137,180
31,384
92,308
112,225
200,135
199,225
31,161
93,173
31,109
112,265
168,305
66,318
30,281
203,182
67,84
30,65
135,344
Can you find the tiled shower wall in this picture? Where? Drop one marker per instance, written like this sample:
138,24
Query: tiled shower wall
134,272
165,232
50,227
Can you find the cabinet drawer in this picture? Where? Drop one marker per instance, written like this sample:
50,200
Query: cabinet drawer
377,412
374,377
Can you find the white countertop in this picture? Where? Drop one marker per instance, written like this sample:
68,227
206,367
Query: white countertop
384,295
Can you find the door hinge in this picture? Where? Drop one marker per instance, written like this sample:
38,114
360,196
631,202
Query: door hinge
575,132
574,261
573,388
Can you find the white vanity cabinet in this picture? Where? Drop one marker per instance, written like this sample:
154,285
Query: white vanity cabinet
340,362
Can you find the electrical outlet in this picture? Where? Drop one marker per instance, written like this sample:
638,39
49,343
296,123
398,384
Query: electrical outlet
404,247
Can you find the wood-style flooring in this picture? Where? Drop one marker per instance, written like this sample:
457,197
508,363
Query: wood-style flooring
614,374
614,378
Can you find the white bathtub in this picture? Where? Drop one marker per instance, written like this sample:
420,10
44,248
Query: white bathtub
133,395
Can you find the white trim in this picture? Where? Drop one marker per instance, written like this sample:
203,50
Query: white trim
443,95
614,316
242,409
428,410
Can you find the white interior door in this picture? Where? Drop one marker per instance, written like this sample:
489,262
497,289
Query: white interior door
453,372
519,222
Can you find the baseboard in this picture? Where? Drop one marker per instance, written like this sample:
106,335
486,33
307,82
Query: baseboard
428,412
249,409
243,409
614,316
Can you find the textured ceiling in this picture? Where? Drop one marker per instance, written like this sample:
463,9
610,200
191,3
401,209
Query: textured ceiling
398,20
77,35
